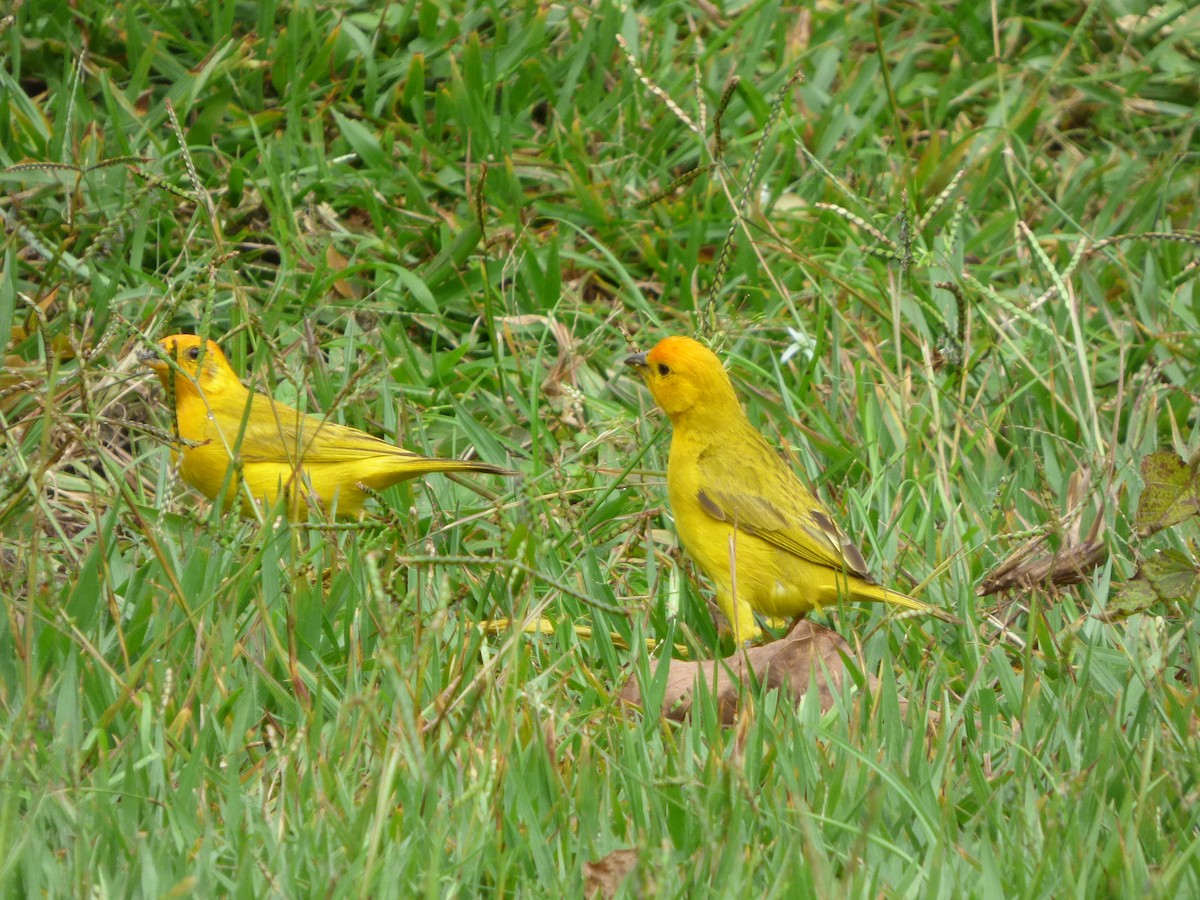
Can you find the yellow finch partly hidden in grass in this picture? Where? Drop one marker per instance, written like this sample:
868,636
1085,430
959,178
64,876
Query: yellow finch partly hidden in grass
276,447
766,542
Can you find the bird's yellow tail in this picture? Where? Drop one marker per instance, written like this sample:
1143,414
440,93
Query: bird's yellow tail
877,593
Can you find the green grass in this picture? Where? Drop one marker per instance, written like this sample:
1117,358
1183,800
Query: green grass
425,215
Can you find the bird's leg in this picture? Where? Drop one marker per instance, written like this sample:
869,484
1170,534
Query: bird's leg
797,620
741,616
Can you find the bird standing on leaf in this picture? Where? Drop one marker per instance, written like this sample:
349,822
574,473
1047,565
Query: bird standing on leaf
272,447
754,529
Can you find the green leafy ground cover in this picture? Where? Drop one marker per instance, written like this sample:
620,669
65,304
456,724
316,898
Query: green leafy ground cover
432,218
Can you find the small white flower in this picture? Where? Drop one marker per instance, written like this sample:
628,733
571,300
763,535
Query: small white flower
801,343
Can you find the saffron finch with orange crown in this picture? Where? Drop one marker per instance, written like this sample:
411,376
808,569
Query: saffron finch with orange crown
766,542
272,447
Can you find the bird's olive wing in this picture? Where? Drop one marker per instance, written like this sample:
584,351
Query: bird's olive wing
278,433
752,489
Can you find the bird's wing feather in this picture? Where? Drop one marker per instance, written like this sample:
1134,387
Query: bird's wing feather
762,496
282,434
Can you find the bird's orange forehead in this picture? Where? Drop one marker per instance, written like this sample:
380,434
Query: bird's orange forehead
177,343
676,350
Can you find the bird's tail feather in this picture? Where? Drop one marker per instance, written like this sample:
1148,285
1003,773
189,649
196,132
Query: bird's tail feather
879,594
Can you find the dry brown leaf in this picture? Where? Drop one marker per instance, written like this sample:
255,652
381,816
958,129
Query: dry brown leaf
809,655
562,371
343,287
1069,565
1032,565
605,876
559,385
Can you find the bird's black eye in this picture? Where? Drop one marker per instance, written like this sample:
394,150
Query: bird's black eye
193,353
664,369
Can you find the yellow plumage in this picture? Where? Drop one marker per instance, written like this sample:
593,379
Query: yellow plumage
767,544
277,447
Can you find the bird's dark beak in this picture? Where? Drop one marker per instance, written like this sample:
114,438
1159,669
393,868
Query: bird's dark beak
152,357
637,361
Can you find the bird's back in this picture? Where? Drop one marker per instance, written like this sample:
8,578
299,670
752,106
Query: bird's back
735,476
278,446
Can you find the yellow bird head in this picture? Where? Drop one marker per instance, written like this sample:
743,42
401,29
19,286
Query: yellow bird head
203,363
685,376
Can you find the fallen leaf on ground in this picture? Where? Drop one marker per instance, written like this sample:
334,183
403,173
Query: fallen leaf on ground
606,875
1033,565
809,656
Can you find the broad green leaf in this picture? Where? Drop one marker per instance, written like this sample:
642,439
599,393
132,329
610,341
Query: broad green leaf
1172,493
1169,575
